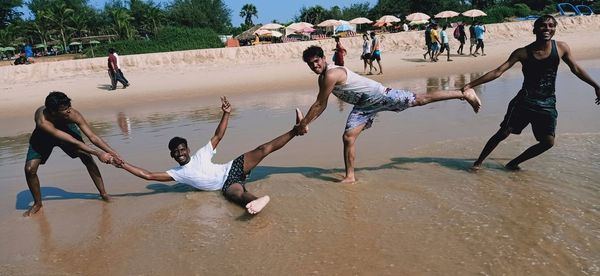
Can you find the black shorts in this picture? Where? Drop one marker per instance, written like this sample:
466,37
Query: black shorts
366,56
41,143
518,116
236,174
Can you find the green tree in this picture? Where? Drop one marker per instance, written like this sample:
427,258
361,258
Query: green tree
247,12
212,14
148,17
313,15
7,11
355,10
58,15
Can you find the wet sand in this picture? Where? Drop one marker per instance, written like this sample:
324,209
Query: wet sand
414,210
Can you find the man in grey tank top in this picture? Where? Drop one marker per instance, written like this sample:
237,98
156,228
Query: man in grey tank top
535,103
368,97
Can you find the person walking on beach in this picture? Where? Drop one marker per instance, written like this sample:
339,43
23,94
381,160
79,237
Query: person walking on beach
535,103
114,72
366,53
376,53
368,97
198,170
427,41
435,42
479,35
57,124
340,52
462,38
472,39
445,44
120,68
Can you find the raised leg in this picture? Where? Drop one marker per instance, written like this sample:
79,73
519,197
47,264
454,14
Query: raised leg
441,95
33,182
253,157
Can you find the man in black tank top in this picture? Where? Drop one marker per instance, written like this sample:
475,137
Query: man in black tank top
535,103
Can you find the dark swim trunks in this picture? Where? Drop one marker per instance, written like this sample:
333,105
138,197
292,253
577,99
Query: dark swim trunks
236,174
520,113
41,143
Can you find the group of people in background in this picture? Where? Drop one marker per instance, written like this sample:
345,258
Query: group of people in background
437,43
371,51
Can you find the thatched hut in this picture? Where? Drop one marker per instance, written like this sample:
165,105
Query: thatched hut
248,36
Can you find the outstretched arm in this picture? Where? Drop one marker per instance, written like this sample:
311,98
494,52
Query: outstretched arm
41,122
94,138
144,174
326,85
220,132
577,70
517,55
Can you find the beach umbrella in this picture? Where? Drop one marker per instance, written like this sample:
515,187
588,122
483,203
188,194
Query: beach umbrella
329,23
446,14
9,48
74,43
299,26
474,13
307,30
40,46
271,26
360,20
260,32
388,19
417,16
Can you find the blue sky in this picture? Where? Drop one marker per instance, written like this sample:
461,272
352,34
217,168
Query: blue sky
268,10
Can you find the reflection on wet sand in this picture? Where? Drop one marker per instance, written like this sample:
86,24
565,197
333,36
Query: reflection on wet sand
415,209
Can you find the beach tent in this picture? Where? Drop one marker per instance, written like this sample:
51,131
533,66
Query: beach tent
343,28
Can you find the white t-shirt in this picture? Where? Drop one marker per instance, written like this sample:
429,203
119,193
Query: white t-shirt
201,172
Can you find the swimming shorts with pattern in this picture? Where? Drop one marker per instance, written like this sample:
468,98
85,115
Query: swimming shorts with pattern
392,100
236,174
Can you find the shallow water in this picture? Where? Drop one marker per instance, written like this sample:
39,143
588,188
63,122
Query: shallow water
415,209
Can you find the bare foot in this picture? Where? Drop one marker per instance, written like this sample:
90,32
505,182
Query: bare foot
105,197
472,99
475,168
380,73
255,206
33,209
512,167
347,179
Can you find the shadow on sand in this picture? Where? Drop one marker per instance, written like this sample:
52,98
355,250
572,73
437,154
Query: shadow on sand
24,198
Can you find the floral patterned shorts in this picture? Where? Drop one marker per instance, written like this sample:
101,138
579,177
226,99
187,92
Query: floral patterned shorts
392,100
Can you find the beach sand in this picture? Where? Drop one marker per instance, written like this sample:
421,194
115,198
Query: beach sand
414,210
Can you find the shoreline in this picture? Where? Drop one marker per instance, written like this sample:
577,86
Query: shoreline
260,69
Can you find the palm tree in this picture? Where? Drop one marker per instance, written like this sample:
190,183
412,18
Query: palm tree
59,16
248,10
122,23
